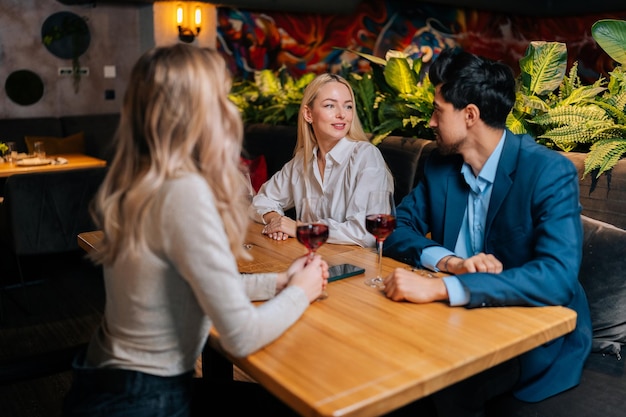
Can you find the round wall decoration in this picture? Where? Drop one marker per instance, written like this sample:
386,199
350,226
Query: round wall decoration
24,87
66,35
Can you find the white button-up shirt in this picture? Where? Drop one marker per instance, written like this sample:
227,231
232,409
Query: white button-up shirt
353,169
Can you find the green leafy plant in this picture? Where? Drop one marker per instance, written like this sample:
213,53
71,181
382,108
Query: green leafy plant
365,94
611,147
552,104
562,113
541,72
392,98
3,148
271,98
611,36
395,97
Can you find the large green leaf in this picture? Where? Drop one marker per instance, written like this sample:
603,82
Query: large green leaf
400,76
543,67
617,80
611,36
604,155
570,115
267,82
516,122
303,81
365,95
369,57
583,94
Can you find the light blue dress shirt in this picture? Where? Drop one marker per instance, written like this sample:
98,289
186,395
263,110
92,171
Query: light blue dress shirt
471,236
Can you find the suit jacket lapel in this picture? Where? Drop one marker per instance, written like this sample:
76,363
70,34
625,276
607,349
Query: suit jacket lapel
456,203
503,180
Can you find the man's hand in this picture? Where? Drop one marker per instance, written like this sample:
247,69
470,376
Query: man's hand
481,262
404,285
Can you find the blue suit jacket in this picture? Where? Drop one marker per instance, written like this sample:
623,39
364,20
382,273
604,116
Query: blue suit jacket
533,227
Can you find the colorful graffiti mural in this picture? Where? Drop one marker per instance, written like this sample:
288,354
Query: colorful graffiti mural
302,42
317,43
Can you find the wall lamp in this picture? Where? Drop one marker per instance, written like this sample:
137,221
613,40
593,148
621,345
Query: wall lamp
185,33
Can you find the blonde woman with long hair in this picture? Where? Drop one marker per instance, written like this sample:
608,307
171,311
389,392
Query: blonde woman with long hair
173,228
333,160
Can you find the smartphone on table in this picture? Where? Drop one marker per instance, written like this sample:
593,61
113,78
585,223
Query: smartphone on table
342,271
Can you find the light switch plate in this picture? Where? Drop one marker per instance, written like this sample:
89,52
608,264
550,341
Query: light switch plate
109,71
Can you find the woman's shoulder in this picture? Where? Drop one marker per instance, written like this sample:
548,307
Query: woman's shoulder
362,148
359,145
187,180
187,186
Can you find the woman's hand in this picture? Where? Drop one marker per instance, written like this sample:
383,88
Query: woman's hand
284,277
279,227
310,274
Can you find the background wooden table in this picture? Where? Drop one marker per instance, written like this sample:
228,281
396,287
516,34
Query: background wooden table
74,161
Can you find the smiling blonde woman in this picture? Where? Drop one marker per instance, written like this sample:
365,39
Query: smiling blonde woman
333,160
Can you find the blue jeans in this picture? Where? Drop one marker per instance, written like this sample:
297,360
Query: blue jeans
99,392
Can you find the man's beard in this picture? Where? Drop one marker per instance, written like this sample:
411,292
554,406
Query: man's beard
448,148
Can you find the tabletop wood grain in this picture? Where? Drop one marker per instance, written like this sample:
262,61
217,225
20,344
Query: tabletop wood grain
358,353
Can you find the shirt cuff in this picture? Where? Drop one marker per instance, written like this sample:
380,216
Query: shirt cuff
270,211
457,293
432,255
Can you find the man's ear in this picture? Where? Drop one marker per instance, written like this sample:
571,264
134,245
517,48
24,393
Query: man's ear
472,114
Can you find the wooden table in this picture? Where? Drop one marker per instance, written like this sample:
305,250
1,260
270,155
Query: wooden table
89,241
74,161
357,353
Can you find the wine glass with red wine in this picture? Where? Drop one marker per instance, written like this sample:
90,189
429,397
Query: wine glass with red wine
380,220
310,230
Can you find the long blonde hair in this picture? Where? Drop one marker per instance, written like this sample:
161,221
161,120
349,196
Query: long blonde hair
306,136
176,118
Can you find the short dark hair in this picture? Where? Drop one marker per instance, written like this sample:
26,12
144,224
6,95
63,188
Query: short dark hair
466,78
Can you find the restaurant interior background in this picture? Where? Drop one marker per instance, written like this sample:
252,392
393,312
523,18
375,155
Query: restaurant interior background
302,38
299,39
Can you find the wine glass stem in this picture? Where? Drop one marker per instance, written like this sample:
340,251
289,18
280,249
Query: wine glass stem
380,259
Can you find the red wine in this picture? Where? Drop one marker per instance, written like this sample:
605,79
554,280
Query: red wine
380,225
312,236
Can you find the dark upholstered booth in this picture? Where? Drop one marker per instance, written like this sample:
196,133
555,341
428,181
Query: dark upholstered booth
98,130
404,157
44,212
605,198
274,143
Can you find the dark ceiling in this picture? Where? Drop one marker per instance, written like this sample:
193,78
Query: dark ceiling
525,7
538,7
